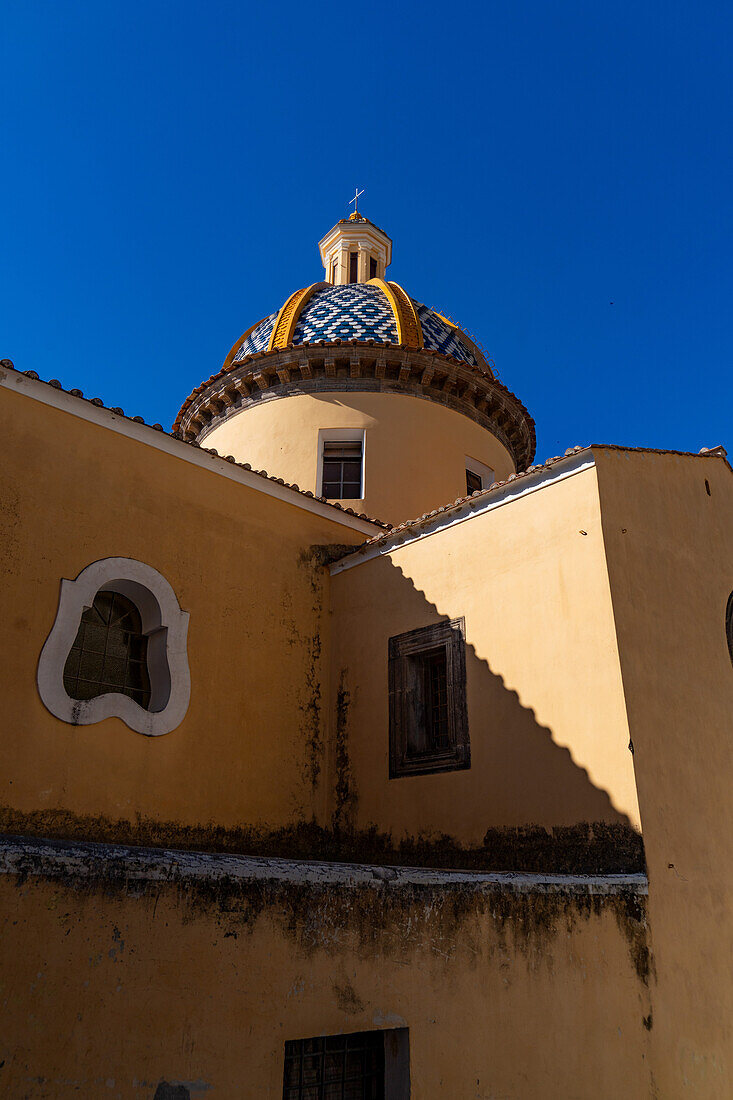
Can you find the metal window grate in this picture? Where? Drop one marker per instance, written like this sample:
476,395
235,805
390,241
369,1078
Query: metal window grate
110,652
340,1067
436,701
342,464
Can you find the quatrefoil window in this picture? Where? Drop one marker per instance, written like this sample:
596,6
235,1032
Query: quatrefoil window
117,650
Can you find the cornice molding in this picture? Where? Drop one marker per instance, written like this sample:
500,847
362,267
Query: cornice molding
488,500
65,859
362,367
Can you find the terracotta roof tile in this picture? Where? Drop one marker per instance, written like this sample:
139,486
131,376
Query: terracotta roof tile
97,401
460,501
706,452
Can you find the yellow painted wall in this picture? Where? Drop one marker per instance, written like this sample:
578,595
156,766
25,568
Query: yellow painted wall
104,994
671,569
547,723
415,450
250,748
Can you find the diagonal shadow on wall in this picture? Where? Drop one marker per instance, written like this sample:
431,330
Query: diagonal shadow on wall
525,802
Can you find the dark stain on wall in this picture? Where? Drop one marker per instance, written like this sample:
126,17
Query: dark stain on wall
312,561
347,998
345,796
586,848
310,709
387,918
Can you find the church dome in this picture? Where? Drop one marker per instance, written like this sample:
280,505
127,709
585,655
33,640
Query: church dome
359,311
353,372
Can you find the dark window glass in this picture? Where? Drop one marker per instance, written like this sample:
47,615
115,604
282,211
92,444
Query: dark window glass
110,652
353,267
372,268
342,471
436,700
473,482
343,1067
729,624
428,721
426,683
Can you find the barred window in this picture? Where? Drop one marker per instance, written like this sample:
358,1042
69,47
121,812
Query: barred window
339,1067
109,653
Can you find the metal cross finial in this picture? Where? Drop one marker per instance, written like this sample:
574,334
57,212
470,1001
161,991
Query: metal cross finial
355,199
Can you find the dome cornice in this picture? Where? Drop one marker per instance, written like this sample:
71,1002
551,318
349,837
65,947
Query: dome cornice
361,366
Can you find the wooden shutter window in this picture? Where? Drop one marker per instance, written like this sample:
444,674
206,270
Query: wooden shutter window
428,718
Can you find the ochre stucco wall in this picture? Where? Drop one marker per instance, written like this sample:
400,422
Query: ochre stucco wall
250,748
546,715
668,543
106,993
415,450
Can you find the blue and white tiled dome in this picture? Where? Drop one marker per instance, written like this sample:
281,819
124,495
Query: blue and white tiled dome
358,311
258,338
355,311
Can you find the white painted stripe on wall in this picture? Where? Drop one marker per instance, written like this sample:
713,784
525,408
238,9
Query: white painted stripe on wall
46,858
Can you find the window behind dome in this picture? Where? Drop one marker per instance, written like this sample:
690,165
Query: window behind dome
342,467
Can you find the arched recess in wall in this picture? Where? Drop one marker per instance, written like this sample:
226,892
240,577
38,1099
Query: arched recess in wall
156,701
729,625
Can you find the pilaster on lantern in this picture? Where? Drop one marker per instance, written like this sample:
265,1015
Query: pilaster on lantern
355,251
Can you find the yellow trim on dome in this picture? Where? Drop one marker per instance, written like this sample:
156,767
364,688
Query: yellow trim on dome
411,322
409,330
284,328
282,321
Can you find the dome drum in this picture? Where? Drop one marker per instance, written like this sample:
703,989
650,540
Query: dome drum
369,366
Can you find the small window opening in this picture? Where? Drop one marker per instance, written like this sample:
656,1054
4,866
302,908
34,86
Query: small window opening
707,487
430,732
342,465
339,1067
474,482
353,267
729,625
110,652
372,268
428,723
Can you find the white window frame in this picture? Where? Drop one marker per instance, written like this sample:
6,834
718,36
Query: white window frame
487,475
336,435
166,628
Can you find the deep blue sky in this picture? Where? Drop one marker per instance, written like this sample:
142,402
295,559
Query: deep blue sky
169,167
